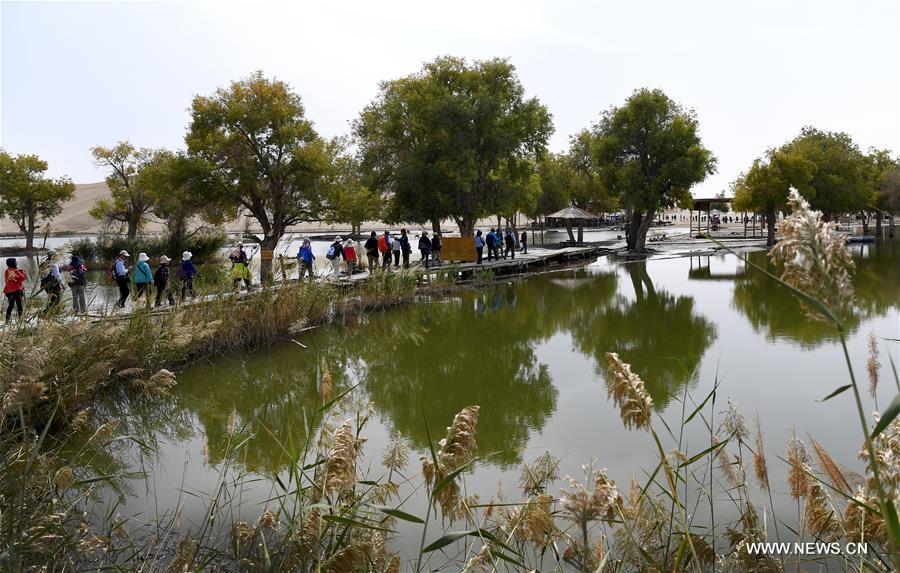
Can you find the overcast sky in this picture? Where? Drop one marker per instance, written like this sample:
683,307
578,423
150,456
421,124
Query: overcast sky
75,75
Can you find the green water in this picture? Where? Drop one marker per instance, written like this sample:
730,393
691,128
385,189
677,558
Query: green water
530,353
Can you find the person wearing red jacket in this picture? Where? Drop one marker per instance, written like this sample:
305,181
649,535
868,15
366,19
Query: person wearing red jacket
350,256
13,288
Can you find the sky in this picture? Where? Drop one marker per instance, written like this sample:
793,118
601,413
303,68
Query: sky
74,75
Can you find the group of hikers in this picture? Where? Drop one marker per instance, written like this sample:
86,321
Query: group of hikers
381,251
499,245
384,250
144,278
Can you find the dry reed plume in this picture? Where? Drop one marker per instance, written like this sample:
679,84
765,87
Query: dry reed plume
628,392
815,258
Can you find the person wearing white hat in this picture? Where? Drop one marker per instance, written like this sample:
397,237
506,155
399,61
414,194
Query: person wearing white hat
334,254
122,278
350,255
240,267
186,273
143,277
161,281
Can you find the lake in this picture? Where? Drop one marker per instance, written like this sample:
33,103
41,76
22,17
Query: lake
530,352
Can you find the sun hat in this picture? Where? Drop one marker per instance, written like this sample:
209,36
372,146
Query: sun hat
186,256
164,259
124,253
338,238
240,243
143,257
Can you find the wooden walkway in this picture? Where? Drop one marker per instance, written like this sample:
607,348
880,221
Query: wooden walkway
535,260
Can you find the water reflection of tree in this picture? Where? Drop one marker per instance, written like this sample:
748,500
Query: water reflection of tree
877,277
428,361
773,310
433,360
658,333
273,395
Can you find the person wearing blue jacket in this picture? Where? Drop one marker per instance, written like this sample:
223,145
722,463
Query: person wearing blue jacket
186,274
143,277
305,258
491,245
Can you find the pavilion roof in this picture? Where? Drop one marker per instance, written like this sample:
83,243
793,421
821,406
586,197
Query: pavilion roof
572,213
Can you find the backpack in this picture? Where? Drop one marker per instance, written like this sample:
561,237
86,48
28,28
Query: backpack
330,254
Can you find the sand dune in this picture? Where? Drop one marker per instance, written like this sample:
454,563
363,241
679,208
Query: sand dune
76,219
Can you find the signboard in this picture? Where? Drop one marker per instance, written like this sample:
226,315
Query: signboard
267,254
458,249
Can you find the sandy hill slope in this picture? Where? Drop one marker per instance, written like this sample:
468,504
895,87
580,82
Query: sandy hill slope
74,217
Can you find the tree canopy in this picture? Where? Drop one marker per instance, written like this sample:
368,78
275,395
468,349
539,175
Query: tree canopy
765,186
649,154
263,156
131,185
27,196
454,140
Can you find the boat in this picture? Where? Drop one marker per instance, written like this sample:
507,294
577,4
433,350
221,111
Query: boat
860,239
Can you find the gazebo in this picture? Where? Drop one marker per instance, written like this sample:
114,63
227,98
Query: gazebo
701,205
570,214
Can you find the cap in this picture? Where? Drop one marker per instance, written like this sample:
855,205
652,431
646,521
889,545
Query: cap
124,253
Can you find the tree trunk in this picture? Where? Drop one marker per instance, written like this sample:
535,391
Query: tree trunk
878,217
435,226
641,239
864,217
580,230
132,228
770,226
466,227
569,230
891,226
28,231
631,228
265,265
636,234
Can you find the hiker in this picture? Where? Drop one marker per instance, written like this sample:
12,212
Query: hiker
510,245
385,247
143,277
479,245
395,247
405,248
13,287
77,284
119,274
52,282
425,248
372,247
240,267
498,244
186,273
335,254
161,281
491,245
350,256
305,258
523,239
436,249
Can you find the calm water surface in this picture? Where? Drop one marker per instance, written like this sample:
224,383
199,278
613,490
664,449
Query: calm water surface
531,354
